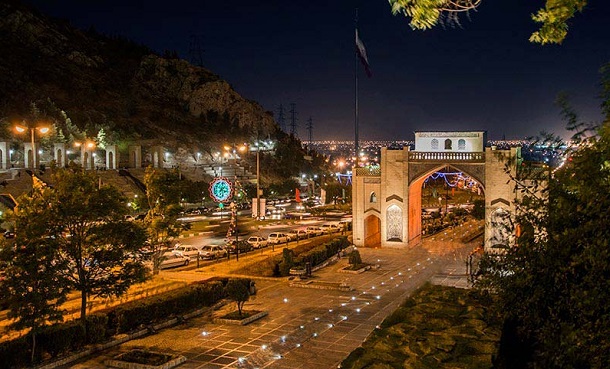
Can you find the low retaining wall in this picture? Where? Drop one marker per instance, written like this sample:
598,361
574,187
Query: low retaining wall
245,321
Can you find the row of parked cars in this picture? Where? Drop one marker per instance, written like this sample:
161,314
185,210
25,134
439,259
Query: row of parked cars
293,235
181,255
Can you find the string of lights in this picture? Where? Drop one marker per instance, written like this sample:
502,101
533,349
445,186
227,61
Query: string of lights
455,176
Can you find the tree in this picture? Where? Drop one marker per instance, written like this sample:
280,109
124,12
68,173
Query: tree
354,258
95,242
553,18
553,287
163,193
30,282
238,290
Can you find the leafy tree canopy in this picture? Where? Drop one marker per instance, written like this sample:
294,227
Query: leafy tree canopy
95,242
553,18
553,286
30,284
163,192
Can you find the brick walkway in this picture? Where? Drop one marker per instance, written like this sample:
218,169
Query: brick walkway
306,328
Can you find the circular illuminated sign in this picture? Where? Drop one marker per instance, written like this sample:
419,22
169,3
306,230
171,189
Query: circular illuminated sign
221,189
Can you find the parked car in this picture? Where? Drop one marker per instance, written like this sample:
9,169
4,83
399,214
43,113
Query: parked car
330,228
314,231
187,250
213,252
257,242
243,245
297,234
277,237
9,234
172,260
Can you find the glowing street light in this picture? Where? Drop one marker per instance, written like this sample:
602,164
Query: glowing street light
87,150
42,130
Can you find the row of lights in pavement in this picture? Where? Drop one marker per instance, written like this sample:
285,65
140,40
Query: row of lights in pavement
319,326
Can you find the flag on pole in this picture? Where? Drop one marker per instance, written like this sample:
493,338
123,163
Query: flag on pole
297,195
361,52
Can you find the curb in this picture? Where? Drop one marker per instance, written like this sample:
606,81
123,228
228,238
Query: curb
245,321
195,234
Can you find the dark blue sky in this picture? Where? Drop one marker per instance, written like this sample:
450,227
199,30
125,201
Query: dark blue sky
482,76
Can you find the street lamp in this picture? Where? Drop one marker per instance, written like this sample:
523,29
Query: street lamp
87,153
258,179
42,130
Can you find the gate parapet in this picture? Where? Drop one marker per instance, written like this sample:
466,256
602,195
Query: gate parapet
462,157
368,172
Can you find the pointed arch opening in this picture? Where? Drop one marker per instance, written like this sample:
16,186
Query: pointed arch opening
394,223
372,231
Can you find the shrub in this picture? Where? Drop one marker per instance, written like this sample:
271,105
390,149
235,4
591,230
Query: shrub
96,325
132,315
238,290
287,262
354,258
59,339
15,353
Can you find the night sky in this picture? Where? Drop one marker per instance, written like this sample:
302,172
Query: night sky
482,76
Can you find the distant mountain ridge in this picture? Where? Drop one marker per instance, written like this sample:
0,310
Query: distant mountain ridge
114,83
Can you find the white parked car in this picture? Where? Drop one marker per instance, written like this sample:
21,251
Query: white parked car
277,237
330,228
187,250
314,231
213,252
172,259
297,234
257,242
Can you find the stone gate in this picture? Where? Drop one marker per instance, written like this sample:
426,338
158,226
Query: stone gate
386,200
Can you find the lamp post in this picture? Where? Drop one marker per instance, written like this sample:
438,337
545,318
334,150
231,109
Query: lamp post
42,130
87,153
258,179
234,213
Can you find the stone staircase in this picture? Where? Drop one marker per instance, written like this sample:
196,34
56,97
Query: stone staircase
231,170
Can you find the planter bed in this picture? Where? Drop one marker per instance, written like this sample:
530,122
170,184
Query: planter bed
354,271
142,359
321,285
253,315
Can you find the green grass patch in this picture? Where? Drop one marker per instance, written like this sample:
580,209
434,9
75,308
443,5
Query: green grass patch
437,327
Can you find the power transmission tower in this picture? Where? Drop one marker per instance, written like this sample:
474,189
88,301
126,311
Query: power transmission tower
281,118
195,51
310,129
293,119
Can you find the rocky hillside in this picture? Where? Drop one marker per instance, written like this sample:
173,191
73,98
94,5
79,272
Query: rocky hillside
115,84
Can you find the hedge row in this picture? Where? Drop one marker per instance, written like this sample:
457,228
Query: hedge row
63,338
320,254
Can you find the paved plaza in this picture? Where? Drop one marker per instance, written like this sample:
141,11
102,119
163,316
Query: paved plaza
305,328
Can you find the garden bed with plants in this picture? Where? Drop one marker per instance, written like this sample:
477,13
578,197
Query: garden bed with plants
246,317
355,266
143,359
239,291
296,258
438,327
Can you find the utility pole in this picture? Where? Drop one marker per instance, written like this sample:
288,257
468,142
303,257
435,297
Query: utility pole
310,129
195,51
281,118
293,119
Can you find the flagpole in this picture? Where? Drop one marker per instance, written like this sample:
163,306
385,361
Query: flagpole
356,96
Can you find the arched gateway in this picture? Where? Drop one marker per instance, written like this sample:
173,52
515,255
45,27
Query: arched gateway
386,200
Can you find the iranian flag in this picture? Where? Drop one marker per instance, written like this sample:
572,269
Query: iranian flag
361,52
